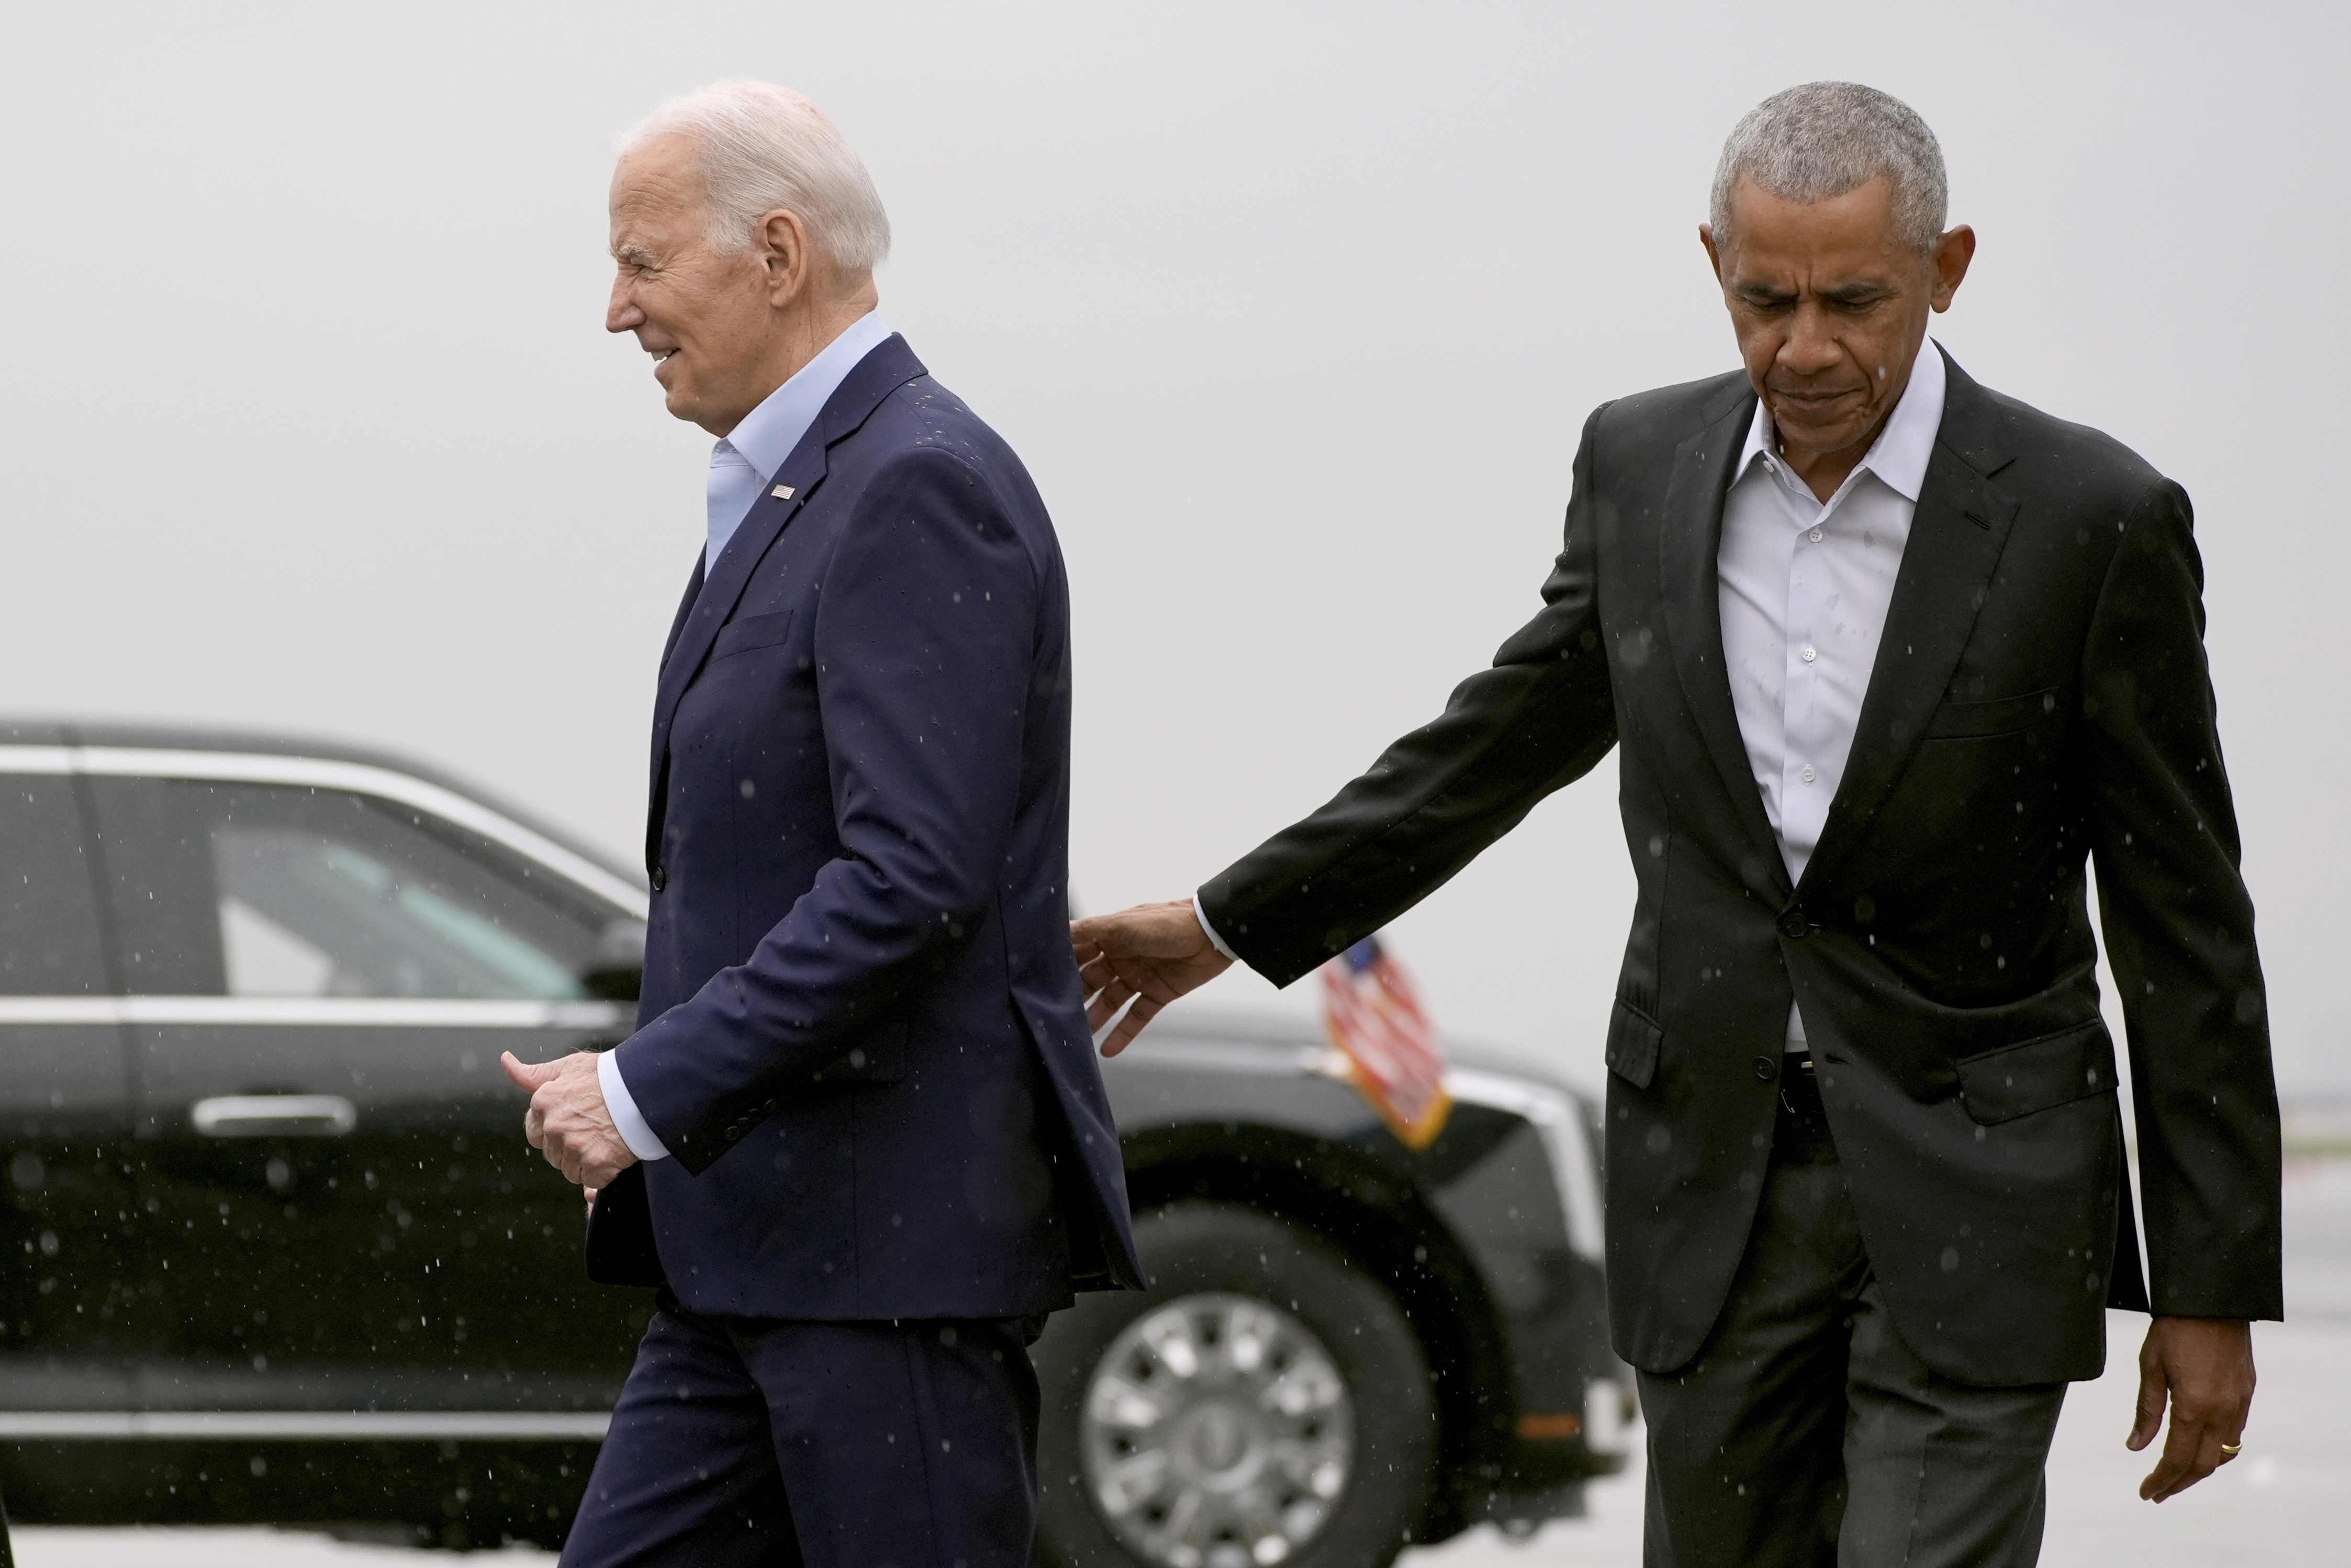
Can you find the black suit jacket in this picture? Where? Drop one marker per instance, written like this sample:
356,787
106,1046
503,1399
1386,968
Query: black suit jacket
2040,695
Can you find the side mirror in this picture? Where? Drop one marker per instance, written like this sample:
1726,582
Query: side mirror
617,972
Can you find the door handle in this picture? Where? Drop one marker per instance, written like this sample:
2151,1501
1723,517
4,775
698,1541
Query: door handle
274,1116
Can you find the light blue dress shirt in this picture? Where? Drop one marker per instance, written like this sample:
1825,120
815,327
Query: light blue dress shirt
741,466
746,459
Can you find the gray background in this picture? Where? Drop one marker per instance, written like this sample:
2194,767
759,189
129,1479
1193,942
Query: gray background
1294,309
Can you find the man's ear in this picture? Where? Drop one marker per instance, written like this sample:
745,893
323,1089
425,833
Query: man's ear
1950,260
784,248
1713,256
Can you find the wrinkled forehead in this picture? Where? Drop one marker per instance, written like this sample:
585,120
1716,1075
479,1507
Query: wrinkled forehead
1852,231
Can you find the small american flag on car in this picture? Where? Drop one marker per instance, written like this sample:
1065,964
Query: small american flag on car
1393,1056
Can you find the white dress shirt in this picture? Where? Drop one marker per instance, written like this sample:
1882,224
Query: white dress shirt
1804,588
741,466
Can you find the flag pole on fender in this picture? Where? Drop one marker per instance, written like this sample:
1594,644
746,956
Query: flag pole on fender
1372,1012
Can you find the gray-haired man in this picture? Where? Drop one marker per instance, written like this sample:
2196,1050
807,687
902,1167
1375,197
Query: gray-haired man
1890,656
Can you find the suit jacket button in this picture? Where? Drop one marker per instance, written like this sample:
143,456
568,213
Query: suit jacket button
1792,923
1766,1068
661,877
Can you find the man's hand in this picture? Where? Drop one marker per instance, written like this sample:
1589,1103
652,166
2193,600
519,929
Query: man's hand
566,1120
2205,1365
1153,953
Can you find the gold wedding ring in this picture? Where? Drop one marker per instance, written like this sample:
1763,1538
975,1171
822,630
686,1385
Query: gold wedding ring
2233,1449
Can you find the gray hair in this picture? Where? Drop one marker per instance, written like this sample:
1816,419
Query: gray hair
764,146
1822,139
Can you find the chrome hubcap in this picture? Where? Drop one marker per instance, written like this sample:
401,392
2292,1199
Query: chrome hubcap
1216,1434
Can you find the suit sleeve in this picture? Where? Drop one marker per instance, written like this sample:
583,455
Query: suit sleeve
2180,929
925,639
1538,719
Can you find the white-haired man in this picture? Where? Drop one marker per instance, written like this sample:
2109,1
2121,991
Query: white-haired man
859,1140
1889,655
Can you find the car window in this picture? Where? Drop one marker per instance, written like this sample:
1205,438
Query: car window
49,943
253,890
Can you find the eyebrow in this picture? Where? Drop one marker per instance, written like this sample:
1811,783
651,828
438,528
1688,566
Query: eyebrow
634,255
1842,293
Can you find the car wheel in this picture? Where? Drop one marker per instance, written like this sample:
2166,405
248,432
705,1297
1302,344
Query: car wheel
1264,1401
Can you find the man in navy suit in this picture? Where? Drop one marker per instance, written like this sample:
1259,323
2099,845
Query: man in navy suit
859,1140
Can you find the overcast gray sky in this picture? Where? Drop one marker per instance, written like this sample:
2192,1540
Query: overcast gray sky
1294,311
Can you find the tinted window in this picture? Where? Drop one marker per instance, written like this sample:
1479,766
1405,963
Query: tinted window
278,890
49,943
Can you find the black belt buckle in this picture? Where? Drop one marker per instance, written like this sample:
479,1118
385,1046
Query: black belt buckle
1801,1061
1802,1134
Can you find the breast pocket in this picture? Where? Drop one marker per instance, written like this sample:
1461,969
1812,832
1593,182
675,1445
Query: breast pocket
2003,715
752,631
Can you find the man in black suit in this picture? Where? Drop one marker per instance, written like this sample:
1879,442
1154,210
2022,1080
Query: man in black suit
1890,656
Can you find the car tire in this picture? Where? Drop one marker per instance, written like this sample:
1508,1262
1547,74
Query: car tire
1246,1456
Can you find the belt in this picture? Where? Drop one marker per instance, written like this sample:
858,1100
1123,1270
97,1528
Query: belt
1801,1135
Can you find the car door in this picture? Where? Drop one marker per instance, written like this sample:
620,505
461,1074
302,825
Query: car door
68,1233
322,975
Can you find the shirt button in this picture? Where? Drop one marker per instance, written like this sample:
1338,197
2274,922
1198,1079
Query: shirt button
1811,653
1814,535
1809,775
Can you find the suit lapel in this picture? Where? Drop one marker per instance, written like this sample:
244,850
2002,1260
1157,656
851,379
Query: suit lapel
661,743
1690,540
890,366
684,609
1957,534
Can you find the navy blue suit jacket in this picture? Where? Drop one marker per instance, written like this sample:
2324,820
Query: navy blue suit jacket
862,1037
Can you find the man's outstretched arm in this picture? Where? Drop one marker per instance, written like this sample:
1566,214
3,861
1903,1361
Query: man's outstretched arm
1539,719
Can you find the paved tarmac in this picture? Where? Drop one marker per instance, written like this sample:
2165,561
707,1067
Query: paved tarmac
2283,1505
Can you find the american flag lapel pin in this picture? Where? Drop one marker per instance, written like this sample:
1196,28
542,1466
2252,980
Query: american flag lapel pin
782,492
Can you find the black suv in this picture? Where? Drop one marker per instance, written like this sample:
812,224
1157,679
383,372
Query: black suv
273,1248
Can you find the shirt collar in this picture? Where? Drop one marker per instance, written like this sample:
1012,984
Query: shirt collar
1899,454
770,432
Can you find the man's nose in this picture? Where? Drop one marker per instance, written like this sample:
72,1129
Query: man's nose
621,312
1811,346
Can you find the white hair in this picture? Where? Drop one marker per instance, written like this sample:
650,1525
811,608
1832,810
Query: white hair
764,146
1822,139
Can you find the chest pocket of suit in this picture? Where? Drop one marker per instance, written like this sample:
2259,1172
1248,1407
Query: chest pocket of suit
2038,1074
2004,716
879,1058
751,631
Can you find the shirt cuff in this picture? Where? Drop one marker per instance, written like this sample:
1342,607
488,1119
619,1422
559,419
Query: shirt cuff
1210,932
622,1106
